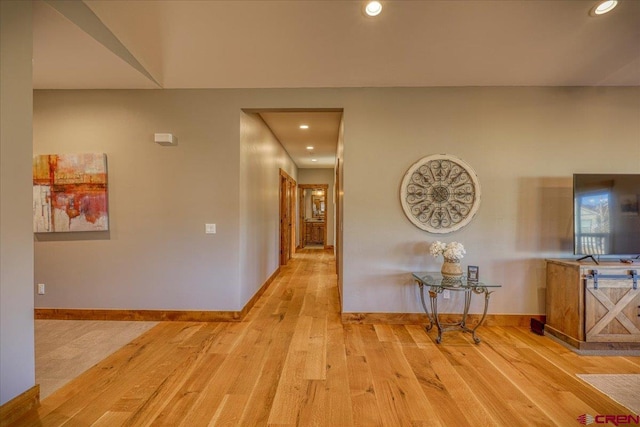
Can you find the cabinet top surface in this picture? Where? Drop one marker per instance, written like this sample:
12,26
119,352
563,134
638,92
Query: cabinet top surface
602,263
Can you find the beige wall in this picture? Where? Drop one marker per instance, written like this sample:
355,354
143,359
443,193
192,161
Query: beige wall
17,365
322,176
524,143
156,254
261,158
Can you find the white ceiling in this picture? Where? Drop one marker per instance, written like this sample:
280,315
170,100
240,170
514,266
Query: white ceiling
330,43
322,135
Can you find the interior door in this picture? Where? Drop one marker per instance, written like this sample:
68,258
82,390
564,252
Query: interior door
292,215
287,214
284,221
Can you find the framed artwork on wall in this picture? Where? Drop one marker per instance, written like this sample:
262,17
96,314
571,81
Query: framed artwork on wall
70,193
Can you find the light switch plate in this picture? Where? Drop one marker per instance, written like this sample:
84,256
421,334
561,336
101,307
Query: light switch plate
210,228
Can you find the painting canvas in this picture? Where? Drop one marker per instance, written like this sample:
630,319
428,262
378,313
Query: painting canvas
70,193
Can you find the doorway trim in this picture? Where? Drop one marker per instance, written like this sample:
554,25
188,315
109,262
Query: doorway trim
287,190
301,210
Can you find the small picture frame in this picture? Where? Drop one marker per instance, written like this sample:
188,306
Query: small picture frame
473,273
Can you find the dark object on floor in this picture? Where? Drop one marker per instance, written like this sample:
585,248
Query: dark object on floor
537,327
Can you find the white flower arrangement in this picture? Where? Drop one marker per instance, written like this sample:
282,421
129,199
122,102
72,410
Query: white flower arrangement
450,251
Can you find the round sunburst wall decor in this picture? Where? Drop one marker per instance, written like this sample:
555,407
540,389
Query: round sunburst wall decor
440,193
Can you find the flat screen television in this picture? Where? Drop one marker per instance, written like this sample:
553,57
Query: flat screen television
606,214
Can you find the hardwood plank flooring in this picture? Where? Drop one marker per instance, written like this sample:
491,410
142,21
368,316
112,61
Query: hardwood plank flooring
292,362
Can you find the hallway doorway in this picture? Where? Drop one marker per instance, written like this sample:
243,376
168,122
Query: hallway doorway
312,215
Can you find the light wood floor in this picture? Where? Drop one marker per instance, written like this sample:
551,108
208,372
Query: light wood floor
292,362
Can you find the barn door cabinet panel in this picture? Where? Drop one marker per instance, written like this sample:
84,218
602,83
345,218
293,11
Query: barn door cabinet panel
611,308
593,306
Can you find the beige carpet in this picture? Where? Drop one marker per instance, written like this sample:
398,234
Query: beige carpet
624,389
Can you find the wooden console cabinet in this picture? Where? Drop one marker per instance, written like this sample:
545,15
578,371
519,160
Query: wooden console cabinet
314,232
589,310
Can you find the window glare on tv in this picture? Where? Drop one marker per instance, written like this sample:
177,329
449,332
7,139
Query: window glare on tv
606,214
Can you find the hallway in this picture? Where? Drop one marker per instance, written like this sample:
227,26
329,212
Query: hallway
292,362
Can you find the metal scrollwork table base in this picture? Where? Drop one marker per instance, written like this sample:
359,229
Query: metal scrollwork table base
437,284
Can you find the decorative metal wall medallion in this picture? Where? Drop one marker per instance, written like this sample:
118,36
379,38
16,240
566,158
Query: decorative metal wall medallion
440,193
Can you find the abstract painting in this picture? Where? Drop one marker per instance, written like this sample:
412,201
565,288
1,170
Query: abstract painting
70,193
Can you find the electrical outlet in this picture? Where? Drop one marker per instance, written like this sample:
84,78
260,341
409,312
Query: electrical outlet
40,288
446,294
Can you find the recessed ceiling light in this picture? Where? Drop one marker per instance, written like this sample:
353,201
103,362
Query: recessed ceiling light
310,147
603,7
314,160
304,126
373,8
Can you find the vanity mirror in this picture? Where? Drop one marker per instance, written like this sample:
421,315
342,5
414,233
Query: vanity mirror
317,204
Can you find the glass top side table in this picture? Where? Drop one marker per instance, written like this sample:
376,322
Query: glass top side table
437,284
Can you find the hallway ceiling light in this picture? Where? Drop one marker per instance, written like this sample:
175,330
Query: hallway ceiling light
373,8
310,147
304,126
314,160
603,7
